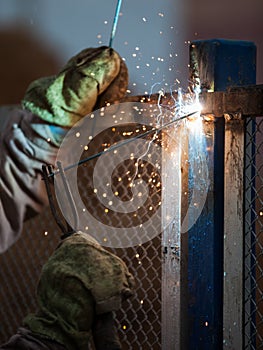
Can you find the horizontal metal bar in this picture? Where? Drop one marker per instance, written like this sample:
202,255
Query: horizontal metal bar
242,100
245,100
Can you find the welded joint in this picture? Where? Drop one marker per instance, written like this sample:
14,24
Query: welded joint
233,116
245,100
208,117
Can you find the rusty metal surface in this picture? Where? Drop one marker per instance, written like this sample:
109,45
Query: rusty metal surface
233,234
245,100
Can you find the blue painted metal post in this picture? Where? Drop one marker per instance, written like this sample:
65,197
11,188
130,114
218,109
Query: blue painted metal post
216,64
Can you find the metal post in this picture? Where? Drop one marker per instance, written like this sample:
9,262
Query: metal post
233,232
217,64
171,243
234,200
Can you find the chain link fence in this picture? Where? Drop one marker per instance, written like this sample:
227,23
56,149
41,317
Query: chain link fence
139,320
20,269
253,240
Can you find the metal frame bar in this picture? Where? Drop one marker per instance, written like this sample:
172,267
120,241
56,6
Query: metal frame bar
217,65
171,244
233,233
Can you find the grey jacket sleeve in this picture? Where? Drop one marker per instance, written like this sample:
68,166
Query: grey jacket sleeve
26,143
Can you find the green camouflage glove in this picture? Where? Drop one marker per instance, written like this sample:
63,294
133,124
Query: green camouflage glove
91,79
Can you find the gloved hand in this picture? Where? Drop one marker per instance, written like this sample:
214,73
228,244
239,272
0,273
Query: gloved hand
91,79
30,137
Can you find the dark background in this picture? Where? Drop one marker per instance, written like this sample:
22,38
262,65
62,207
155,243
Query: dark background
38,36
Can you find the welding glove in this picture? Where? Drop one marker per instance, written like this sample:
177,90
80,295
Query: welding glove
31,137
80,287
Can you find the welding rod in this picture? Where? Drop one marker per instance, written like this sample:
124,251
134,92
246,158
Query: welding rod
115,21
118,145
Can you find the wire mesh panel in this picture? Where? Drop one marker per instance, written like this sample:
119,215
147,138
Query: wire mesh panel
139,319
253,249
20,269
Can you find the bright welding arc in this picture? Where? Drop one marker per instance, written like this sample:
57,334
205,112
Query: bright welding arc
115,21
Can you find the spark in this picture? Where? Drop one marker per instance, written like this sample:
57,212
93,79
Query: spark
153,131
